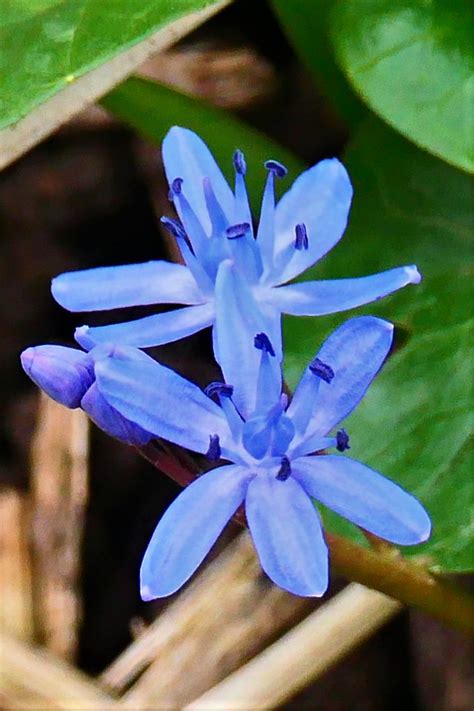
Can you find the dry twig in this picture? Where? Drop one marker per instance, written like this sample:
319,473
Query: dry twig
225,617
34,679
306,652
15,566
59,492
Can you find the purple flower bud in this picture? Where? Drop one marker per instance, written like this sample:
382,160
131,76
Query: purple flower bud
65,374
111,421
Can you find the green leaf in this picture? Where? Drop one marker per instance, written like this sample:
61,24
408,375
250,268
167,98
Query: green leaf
152,109
413,62
45,45
415,421
306,24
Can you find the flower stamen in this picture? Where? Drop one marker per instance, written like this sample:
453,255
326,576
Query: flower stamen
214,451
285,469
236,231
321,370
301,237
263,343
342,440
220,389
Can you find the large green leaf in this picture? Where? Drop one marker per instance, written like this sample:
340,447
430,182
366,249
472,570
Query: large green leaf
413,62
152,109
415,421
307,26
45,45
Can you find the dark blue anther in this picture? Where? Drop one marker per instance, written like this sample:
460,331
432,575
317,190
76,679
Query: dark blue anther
301,237
175,189
217,388
214,451
342,440
322,370
285,469
277,168
173,227
263,343
239,162
235,231
176,185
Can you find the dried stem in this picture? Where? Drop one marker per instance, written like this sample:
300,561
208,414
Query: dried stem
303,654
58,496
35,679
15,566
250,613
385,571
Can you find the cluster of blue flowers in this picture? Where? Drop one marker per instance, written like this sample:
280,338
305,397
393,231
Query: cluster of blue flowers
274,450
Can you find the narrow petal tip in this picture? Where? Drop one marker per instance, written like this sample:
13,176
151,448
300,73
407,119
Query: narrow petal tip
26,359
423,528
146,594
81,336
413,274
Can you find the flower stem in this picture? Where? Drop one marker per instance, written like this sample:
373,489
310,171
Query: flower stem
383,569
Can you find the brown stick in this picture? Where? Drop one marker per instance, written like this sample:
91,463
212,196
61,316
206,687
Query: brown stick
59,492
224,618
15,566
303,654
35,679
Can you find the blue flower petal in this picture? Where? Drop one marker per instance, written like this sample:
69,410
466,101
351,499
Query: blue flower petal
189,529
128,285
238,320
355,352
320,199
186,156
111,421
63,373
287,534
315,298
151,330
159,400
365,497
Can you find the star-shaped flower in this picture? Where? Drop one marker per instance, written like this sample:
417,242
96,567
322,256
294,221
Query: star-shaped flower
227,268
272,470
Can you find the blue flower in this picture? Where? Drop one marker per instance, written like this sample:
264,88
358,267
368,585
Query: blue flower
272,470
228,269
68,376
